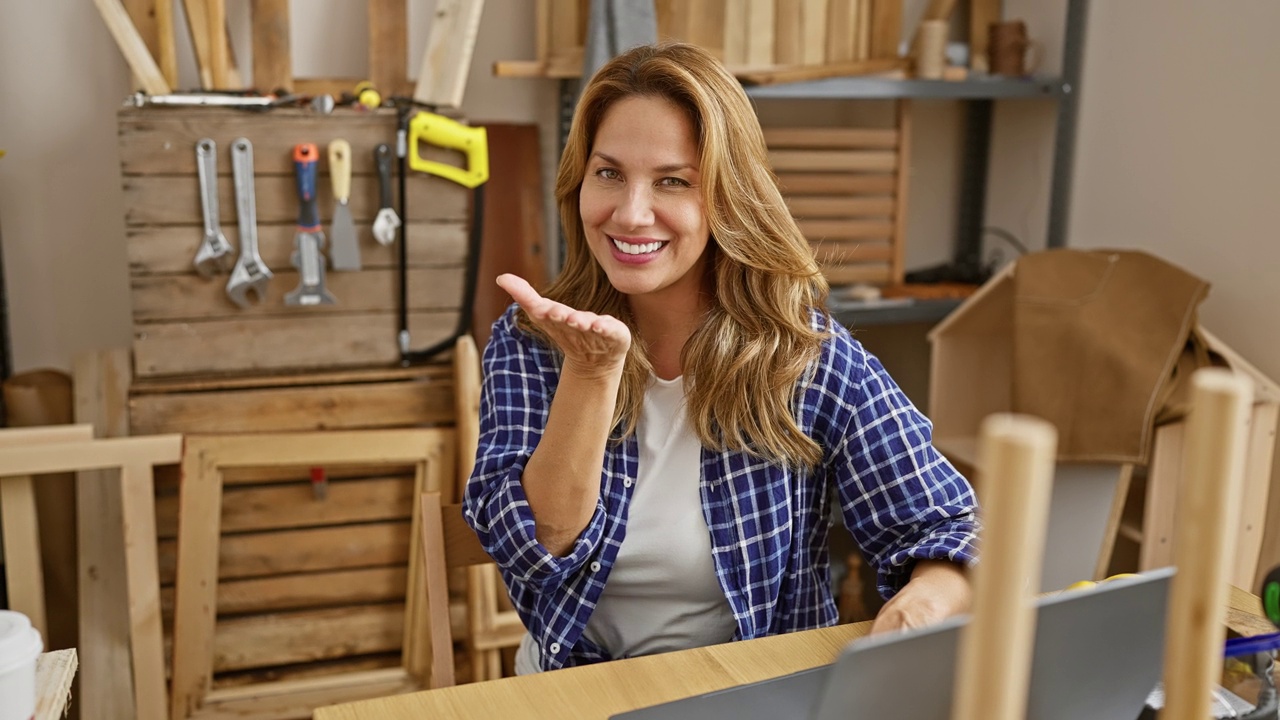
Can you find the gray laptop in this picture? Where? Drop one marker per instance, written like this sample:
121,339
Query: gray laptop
1098,654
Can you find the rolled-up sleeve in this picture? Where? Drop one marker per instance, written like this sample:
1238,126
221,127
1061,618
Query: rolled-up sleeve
519,382
900,498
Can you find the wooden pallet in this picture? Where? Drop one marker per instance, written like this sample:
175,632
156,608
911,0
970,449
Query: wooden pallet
847,189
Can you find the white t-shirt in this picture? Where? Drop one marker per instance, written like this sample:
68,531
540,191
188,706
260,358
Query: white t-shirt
662,593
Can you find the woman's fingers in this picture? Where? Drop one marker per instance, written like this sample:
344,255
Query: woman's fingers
569,328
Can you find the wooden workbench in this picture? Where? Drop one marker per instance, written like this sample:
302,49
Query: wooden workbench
54,673
597,691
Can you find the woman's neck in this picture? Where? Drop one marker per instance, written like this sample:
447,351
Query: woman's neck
665,327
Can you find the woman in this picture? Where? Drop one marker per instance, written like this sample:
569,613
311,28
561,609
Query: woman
663,433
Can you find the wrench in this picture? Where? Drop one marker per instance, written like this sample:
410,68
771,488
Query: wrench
385,224
250,274
215,252
308,239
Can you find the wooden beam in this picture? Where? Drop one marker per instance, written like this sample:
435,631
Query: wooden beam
132,47
216,26
272,58
886,28
442,79
388,46
981,14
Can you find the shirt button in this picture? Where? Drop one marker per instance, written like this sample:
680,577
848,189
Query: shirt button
627,482
555,648
595,567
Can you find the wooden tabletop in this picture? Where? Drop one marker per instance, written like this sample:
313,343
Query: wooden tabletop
54,672
597,691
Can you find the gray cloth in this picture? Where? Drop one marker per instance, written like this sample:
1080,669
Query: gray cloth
613,27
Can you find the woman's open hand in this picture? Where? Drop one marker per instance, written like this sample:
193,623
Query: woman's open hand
937,590
592,344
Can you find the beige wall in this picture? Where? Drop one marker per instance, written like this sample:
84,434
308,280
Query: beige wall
1175,153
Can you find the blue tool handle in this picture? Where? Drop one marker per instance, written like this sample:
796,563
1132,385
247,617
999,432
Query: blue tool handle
305,160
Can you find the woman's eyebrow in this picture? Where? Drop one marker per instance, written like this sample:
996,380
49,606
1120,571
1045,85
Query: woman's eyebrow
672,167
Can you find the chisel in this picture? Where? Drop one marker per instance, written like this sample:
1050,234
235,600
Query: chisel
344,250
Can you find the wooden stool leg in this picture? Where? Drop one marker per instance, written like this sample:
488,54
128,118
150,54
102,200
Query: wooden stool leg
1208,506
1015,459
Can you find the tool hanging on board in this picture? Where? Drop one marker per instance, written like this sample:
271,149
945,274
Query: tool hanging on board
214,253
308,239
418,126
250,274
344,249
385,224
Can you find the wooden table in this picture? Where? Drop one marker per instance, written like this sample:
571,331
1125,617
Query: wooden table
597,691
54,672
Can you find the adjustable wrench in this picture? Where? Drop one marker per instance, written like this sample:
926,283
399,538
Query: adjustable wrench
215,252
250,274
308,239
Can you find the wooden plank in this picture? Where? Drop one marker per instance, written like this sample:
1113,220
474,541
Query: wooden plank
1255,494
831,137
38,459
319,341
788,33
159,298
903,190
446,61
813,32
541,31
161,141
142,578
886,28
388,46
761,33
298,698
159,200
306,590
981,14
852,274
306,636
840,207
567,23
166,48
198,12
816,230
275,507
195,598
706,25
735,33
842,253
862,44
435,555
836,183
166,249
55,670
21,540
431,477
1164,477
272,56
393,404
832,161
842,29
106,682
1114,519
166,386
132,47
771,76
216,19
672,19
303,671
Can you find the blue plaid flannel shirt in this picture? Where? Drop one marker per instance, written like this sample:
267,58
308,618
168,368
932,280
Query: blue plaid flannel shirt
900,499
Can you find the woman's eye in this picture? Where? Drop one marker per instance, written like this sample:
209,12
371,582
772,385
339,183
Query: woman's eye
607,174
674,182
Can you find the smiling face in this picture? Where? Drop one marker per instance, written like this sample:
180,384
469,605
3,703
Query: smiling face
641,202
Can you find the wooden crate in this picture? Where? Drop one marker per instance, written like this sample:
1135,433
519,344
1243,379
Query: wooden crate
185,325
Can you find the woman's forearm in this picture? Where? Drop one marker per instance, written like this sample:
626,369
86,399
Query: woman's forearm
562,477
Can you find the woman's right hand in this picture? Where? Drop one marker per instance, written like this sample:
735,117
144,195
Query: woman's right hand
593,345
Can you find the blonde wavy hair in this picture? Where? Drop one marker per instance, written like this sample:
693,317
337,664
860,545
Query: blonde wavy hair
742,364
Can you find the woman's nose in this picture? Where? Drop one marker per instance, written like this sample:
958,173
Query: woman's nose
635,209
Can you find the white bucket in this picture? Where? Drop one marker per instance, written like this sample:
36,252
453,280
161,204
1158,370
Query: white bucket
20,645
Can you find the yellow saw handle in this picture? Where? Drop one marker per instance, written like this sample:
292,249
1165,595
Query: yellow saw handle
446,133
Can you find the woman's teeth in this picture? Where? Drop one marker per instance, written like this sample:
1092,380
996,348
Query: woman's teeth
633,249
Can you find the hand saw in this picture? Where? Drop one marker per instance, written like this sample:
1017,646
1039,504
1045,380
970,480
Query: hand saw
417,127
